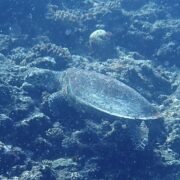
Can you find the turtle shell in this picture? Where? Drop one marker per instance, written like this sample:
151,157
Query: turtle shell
107,95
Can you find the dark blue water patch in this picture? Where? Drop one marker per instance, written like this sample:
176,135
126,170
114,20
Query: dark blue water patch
21,17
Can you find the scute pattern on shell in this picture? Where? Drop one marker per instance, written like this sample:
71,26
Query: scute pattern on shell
108,95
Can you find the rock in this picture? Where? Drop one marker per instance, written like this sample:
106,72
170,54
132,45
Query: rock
101,43
10,156
44,63
177,92
40,54
55,133
31,127
40,80
5,41
37,173
21,107
62,163
6,125
5,95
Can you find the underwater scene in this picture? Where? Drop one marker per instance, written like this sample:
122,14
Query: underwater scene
89,90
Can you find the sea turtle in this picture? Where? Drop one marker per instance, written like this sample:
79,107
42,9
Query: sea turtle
102,95
105,94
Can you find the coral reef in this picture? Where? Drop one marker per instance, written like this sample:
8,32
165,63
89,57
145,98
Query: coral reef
134,41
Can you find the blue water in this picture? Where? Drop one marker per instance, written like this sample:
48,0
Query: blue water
46,132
